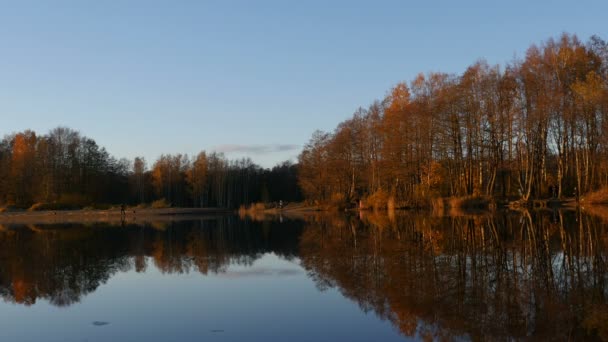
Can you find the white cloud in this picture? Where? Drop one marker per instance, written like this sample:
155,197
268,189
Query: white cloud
256,149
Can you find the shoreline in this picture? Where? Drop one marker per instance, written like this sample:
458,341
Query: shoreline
110,215
173,214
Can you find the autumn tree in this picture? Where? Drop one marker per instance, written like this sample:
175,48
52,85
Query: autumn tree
533,129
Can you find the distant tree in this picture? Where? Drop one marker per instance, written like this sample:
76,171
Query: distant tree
138,180
197,179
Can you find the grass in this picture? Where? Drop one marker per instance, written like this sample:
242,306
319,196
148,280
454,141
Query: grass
259,211
457,206
160,204
142,206
377,200
252,210
597,197
337,201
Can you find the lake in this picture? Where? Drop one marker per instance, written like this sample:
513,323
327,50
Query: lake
538,275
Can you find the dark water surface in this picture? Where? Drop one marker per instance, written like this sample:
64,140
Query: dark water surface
517,275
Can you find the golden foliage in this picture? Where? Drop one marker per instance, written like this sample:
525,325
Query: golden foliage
159,204
378,200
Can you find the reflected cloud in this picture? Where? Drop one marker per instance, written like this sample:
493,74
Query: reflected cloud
100,323
260,272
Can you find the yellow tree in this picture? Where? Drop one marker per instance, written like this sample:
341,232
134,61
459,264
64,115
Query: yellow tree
397,150
588,99
23,167
196,177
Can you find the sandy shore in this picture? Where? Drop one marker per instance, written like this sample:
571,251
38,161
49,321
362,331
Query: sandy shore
113,215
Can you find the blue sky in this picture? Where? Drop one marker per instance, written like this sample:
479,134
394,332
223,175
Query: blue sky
252,78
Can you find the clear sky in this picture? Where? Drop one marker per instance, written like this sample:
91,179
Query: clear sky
251,78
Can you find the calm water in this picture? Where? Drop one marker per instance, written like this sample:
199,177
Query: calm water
538,275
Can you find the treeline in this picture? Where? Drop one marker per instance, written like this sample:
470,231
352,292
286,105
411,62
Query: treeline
64,169
535,128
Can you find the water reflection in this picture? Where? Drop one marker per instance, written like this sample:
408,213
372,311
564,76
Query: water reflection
518,275
63,263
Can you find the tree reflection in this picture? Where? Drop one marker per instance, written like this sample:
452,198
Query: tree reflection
519,275
63,263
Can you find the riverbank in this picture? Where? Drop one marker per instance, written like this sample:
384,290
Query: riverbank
110,215
255,211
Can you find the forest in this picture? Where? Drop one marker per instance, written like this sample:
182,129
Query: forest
533,129
65,170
